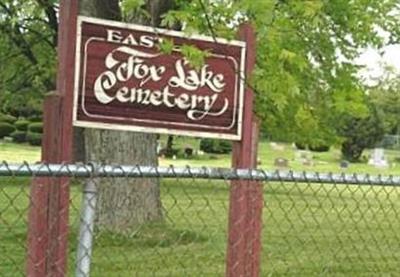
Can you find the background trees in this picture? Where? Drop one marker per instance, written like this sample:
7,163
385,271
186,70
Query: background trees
304,78
27,54
305,49
360,133
385,96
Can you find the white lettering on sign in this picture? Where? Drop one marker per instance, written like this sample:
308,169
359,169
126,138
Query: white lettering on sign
134,67
145,41
191,80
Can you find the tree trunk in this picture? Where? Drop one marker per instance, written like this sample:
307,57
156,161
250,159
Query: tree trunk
123,203
169,151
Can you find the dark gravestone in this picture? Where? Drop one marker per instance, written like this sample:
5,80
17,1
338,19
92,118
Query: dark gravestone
344,164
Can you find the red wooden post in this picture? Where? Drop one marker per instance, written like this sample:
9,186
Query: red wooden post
246,197
48,214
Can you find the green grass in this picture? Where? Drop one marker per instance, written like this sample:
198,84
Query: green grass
17,153
309,230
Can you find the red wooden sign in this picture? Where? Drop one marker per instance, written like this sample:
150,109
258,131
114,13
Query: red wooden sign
124,82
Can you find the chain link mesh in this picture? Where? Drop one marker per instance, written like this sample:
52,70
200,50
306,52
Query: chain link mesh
313,224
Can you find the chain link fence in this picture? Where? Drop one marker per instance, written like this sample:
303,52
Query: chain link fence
313,224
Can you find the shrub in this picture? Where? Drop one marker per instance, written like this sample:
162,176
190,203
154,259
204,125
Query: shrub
6,129
188,151
22,125
319,148
34,138
36,127
207,145
225,146
215,146
300,146
35,119
7,118
18,136
360,133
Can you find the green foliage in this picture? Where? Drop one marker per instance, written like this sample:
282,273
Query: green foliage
313,147
129,5
302,87
34,139
6,129
7,118
386,98
300,146
319,148
225,146
206,145
215,146
22,125
18,136
359,134
35,119
166,46
195,56
27,55
36,127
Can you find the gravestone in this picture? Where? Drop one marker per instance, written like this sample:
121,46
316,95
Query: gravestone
277,147
307,162
302,155
8,139
281,162
344,164
378,158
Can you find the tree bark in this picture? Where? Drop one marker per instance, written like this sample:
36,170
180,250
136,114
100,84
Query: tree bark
123,203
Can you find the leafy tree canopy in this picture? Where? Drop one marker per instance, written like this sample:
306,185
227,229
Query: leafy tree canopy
385,96
27,54
303,79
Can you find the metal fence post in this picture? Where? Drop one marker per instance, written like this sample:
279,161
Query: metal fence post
86,229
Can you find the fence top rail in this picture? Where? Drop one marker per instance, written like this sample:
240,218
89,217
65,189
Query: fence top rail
92,170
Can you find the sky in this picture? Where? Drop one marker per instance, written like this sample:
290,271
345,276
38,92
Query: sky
375,62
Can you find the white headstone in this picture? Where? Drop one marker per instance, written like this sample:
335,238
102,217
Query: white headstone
276,146
302,156
378,158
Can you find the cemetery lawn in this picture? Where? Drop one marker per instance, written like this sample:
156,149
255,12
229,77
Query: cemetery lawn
192,239
268,152
298,238
17,153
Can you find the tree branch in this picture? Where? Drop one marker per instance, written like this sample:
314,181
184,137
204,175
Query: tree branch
51,15
17,37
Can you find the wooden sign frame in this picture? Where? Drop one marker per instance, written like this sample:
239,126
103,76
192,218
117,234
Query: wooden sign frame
156,119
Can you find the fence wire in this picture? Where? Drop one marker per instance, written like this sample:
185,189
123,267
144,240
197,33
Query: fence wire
174,221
